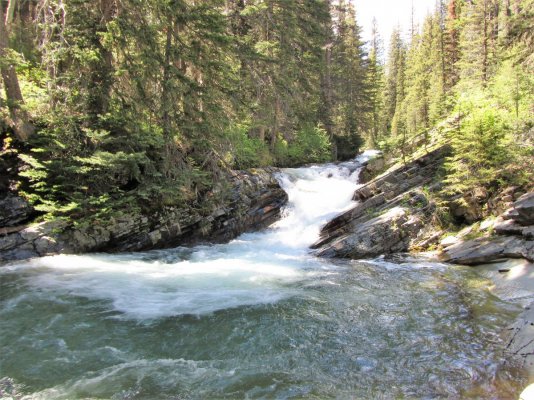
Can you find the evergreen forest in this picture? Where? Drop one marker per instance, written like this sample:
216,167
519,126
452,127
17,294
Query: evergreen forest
109,104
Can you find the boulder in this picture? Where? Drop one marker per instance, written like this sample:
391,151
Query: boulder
524,209
449,241
511,227
372,168
466,209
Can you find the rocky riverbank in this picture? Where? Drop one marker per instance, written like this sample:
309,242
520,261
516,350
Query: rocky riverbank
393,214
252,201
402,210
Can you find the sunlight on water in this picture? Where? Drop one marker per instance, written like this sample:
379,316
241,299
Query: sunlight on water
258,317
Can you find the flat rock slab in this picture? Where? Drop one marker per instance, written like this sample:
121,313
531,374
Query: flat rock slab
484,250
520,340
512,280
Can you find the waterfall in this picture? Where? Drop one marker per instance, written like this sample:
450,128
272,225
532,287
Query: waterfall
255,268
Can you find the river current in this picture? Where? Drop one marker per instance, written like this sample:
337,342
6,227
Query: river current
259,317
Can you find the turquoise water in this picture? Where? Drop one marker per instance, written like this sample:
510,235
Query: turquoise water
256,318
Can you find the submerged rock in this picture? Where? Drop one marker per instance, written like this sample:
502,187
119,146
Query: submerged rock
520,340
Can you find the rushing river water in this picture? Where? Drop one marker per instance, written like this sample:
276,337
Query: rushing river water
255,318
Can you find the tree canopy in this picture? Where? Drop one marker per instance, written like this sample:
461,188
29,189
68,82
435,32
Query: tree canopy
107,103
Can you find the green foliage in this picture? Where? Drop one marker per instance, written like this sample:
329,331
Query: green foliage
243,151
146,104
468,68
311,145
480,151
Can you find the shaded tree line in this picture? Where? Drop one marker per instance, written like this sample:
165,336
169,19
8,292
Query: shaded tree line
118,102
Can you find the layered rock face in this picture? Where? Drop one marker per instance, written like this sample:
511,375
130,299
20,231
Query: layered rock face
254,201
391,215
514,239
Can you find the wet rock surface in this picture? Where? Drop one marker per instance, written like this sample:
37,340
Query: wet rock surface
391,215
254,201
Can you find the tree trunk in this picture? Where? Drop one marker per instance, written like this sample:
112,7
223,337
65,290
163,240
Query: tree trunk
102,76
19,118
442,45
165,95
276,125
485,44
327,88
10,12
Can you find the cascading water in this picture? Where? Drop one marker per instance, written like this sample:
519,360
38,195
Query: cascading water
258,317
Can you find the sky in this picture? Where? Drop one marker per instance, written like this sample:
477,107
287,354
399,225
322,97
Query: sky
390,13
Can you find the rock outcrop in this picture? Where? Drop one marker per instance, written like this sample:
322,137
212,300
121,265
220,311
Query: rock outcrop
372,168
254,201
388,233
391,214
514,237
488,249
14,211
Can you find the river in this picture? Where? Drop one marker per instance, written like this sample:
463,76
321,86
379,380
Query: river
259,317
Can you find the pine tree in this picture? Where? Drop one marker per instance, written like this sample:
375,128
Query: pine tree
281,63
376,88
351,91
451,44
394,76
478,41
22,128
326,96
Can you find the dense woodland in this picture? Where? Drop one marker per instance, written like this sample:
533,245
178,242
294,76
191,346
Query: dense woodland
114,104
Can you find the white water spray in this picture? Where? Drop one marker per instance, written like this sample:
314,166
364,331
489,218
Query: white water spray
256,268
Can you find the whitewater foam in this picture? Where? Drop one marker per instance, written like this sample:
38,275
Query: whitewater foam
256,268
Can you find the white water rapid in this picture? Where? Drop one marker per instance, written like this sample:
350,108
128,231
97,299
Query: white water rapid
255,268
259,317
